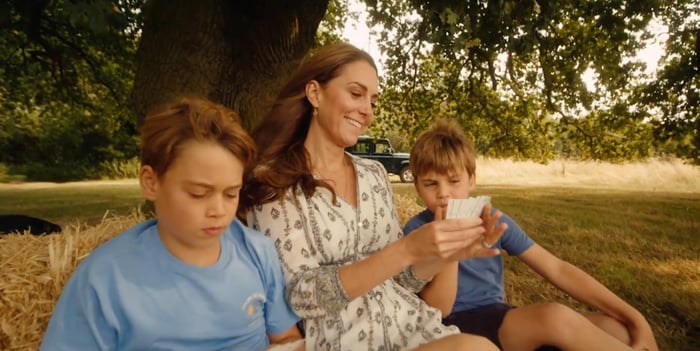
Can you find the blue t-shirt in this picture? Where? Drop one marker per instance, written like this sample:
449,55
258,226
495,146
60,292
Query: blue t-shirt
131,293
480,280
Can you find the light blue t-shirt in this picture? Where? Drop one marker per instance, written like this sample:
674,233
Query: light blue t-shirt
480,280
131,293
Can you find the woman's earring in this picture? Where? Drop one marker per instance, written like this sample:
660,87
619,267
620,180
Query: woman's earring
314,113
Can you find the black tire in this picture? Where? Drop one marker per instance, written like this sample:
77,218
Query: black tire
406,175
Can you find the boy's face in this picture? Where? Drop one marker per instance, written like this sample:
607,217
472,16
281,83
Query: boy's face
196,199
436,188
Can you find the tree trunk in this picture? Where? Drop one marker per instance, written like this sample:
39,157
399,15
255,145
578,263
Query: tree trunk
237,53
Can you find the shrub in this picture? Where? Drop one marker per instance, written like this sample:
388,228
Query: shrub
120,169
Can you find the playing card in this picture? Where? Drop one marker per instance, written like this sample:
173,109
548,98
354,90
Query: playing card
466,208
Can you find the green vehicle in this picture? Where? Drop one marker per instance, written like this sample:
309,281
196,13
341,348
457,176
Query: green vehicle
380,149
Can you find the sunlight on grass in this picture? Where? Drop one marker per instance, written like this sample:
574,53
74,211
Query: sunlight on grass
687,270
656,175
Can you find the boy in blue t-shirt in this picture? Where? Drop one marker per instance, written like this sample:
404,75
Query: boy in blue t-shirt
195,278
470,292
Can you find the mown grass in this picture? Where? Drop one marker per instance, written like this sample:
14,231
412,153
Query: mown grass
642,245
80,203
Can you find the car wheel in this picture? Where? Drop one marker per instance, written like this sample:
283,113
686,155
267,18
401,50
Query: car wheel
406,175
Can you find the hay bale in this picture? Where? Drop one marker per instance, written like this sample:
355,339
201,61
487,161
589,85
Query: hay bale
407,207
34,270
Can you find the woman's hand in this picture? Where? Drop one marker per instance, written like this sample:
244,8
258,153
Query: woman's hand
484,246
296,345
443,239
493,230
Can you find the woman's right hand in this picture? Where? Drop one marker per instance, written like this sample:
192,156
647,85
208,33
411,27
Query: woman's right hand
448,240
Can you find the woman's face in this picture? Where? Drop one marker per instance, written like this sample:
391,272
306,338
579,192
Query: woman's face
345,103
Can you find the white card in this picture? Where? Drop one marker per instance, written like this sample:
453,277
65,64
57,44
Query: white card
466,208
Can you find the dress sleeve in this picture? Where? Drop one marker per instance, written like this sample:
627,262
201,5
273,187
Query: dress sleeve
313,290
406,278
77,321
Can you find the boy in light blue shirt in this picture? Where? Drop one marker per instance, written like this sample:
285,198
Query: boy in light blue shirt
194,278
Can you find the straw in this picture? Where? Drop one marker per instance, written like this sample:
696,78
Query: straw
33,270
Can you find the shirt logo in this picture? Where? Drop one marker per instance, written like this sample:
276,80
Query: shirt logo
253,306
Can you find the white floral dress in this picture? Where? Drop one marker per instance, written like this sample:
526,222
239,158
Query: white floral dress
314,237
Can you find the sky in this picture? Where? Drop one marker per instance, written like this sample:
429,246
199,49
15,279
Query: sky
358,34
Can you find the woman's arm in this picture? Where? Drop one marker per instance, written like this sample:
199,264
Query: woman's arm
429,249
441,292
289,336
314,289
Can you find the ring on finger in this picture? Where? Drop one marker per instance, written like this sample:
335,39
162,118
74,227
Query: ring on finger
486,244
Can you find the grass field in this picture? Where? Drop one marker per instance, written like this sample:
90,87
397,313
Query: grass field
79,203
636,228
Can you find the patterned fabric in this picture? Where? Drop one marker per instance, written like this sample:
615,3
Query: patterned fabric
314,237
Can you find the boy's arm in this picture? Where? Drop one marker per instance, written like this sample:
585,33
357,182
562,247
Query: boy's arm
288,336
586,289
441,292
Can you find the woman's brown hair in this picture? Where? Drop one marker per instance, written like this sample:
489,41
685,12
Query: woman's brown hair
283,161
166,129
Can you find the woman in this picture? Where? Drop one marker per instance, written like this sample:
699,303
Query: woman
351,275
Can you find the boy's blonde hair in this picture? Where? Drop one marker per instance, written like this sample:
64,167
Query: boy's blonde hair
444,148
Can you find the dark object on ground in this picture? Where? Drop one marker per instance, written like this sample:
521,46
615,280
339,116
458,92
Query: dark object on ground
21,223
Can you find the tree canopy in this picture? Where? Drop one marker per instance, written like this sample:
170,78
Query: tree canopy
77,75
67,71
512,72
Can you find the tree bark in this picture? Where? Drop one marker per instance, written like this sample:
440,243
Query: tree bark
237,53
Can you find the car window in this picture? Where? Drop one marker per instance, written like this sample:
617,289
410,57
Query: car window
362,147
382,147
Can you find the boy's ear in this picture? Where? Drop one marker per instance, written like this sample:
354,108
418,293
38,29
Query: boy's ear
472,182
312,90
148,180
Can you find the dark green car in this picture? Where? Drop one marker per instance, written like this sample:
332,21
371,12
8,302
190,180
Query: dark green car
379,149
